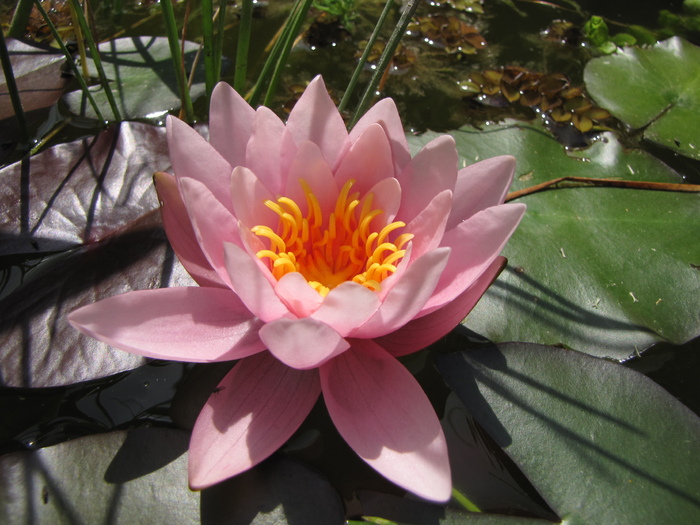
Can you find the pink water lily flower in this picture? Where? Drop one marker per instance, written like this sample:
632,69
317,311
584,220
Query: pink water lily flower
321,256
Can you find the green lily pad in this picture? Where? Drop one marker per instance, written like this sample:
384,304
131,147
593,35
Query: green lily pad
655,88
601,443
606,271
141,75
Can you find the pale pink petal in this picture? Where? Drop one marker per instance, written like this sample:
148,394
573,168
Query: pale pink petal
346,307
383,414
248,195
309,164
428,226
183,324
212,223
193,157
297,294
179,230
385,114
386,197
408,295
302,343
368,162
481,186
424,331
431,171
230,123
255,409
475,244
263,150
315,118
254,289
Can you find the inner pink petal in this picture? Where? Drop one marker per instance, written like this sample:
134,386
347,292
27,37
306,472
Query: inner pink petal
368,162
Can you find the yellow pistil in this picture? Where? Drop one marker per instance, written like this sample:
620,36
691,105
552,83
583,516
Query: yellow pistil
328,251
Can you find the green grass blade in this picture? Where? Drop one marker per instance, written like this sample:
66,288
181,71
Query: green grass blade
20,19
14,92
208,41
219,41
244,30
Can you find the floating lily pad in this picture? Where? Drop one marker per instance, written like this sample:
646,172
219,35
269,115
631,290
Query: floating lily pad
655,88
603,270
601,443
141,75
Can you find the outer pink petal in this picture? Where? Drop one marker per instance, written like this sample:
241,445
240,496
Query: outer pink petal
407,296
184,324
424,331
248,195
254,289
346,307
230,123
180,233
195,158
475,244
383,414
385,114
256,408
481,186
309,164
302,343
315,118
431,171
213,224
428,226
295,292
263,154
368,162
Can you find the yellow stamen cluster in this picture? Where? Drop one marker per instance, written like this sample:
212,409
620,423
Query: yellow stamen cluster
329,252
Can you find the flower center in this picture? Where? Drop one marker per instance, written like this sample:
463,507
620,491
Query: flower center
329,251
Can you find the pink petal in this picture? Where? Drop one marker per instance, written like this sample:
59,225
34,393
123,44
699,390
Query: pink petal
407,297
180,233
309,164
195,158
346,307
481,186
369,160
387,197
248,195
428,226
302,343
424,331
255,409
383,414
295,292
254,289
183,324
431,171
385,114
475,244
263,154
212,223
315,118
230,123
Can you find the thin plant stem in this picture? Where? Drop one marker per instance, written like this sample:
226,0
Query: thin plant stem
69,58
272,59
80,40
177,56
14,91
409,8
299,17
464,501
20,19
208,41
96,59
244,30
363,59
219,42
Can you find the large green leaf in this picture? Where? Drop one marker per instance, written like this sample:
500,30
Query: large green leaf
602,443
606,271
141,76
656,88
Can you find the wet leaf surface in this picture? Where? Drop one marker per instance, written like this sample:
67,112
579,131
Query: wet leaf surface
566,419
655,88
